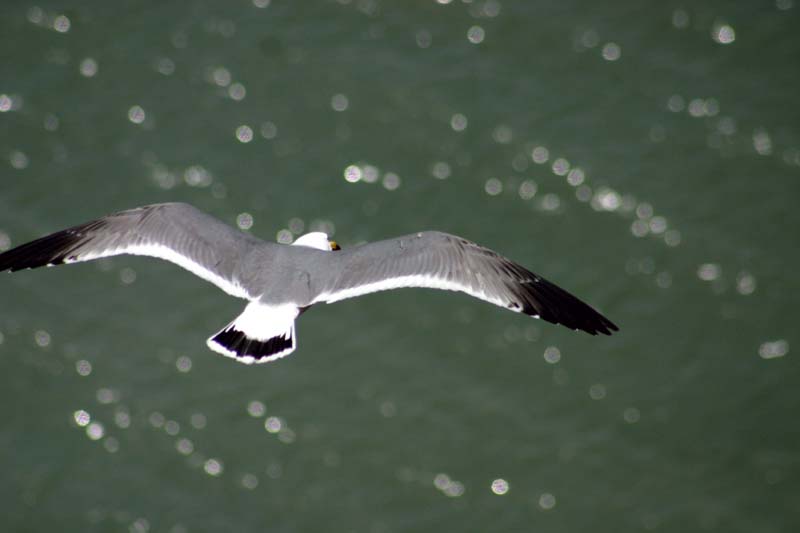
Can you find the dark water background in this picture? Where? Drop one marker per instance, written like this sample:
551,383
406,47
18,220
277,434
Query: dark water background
644,155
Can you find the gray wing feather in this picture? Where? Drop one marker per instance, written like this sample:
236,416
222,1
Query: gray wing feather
441,261
176,232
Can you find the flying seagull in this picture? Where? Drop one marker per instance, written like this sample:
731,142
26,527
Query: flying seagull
281,281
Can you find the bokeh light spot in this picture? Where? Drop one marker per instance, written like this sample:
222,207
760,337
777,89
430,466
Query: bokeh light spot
773,349
611,52
458,122
340,102
213,467
256,409
244,133
500,486
723,33
493,186
476,34
136,114
547,501
88,67
83,367
244,221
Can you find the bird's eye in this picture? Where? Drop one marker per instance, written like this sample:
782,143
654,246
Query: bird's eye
335,245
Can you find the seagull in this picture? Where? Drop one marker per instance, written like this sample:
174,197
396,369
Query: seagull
282,281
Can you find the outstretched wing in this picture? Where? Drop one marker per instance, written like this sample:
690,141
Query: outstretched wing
175,232
441,261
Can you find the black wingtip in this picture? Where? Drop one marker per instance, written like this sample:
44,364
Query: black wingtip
49,250
557,306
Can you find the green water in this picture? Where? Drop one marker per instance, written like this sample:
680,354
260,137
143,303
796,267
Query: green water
644,155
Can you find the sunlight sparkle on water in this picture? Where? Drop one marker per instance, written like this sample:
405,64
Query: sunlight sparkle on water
18,160
269,130
249,481
111,445
680,19
197,176
183,364
244,133
244,221
440,170
42,338
136,114
550,202
284,236
723,33
296,225
339,102
62,24
237,92
6,103
273,424
220,76
631,415
122,418
198,421
423,38
762,143
476,35
503,134
256,409
458,122
391,181
449,487
156,419
164,66
664,280
560,167
95,431
493,186
773,349
527,189
83,367
500,486
172,428
81,417
184,446
552,355
547,501
597,391
352,173
745,283
106,396
88,67
611,52
127,275
213,467
370,173
709,271
540,155
676,103
576,176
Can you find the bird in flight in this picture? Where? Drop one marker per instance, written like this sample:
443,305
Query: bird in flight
282,281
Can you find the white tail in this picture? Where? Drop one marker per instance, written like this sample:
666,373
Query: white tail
262,333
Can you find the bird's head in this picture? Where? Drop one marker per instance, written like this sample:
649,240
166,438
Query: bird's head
318,240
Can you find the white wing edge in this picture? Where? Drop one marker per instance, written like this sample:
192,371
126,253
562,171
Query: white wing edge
417,280
168,254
